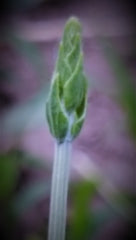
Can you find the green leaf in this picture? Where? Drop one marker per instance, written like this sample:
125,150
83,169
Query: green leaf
81,223
8,175
71,31
74,89
125,85
55,113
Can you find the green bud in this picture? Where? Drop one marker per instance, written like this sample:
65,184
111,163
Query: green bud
66,104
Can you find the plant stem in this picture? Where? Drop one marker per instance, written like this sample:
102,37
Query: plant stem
59,191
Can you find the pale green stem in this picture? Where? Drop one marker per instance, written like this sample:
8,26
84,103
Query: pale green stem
59,191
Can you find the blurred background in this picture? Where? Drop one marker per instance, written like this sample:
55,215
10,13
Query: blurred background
102,191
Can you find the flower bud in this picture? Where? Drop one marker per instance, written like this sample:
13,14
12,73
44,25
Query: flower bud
66,104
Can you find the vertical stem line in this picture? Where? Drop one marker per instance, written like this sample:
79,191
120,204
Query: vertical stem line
59,191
